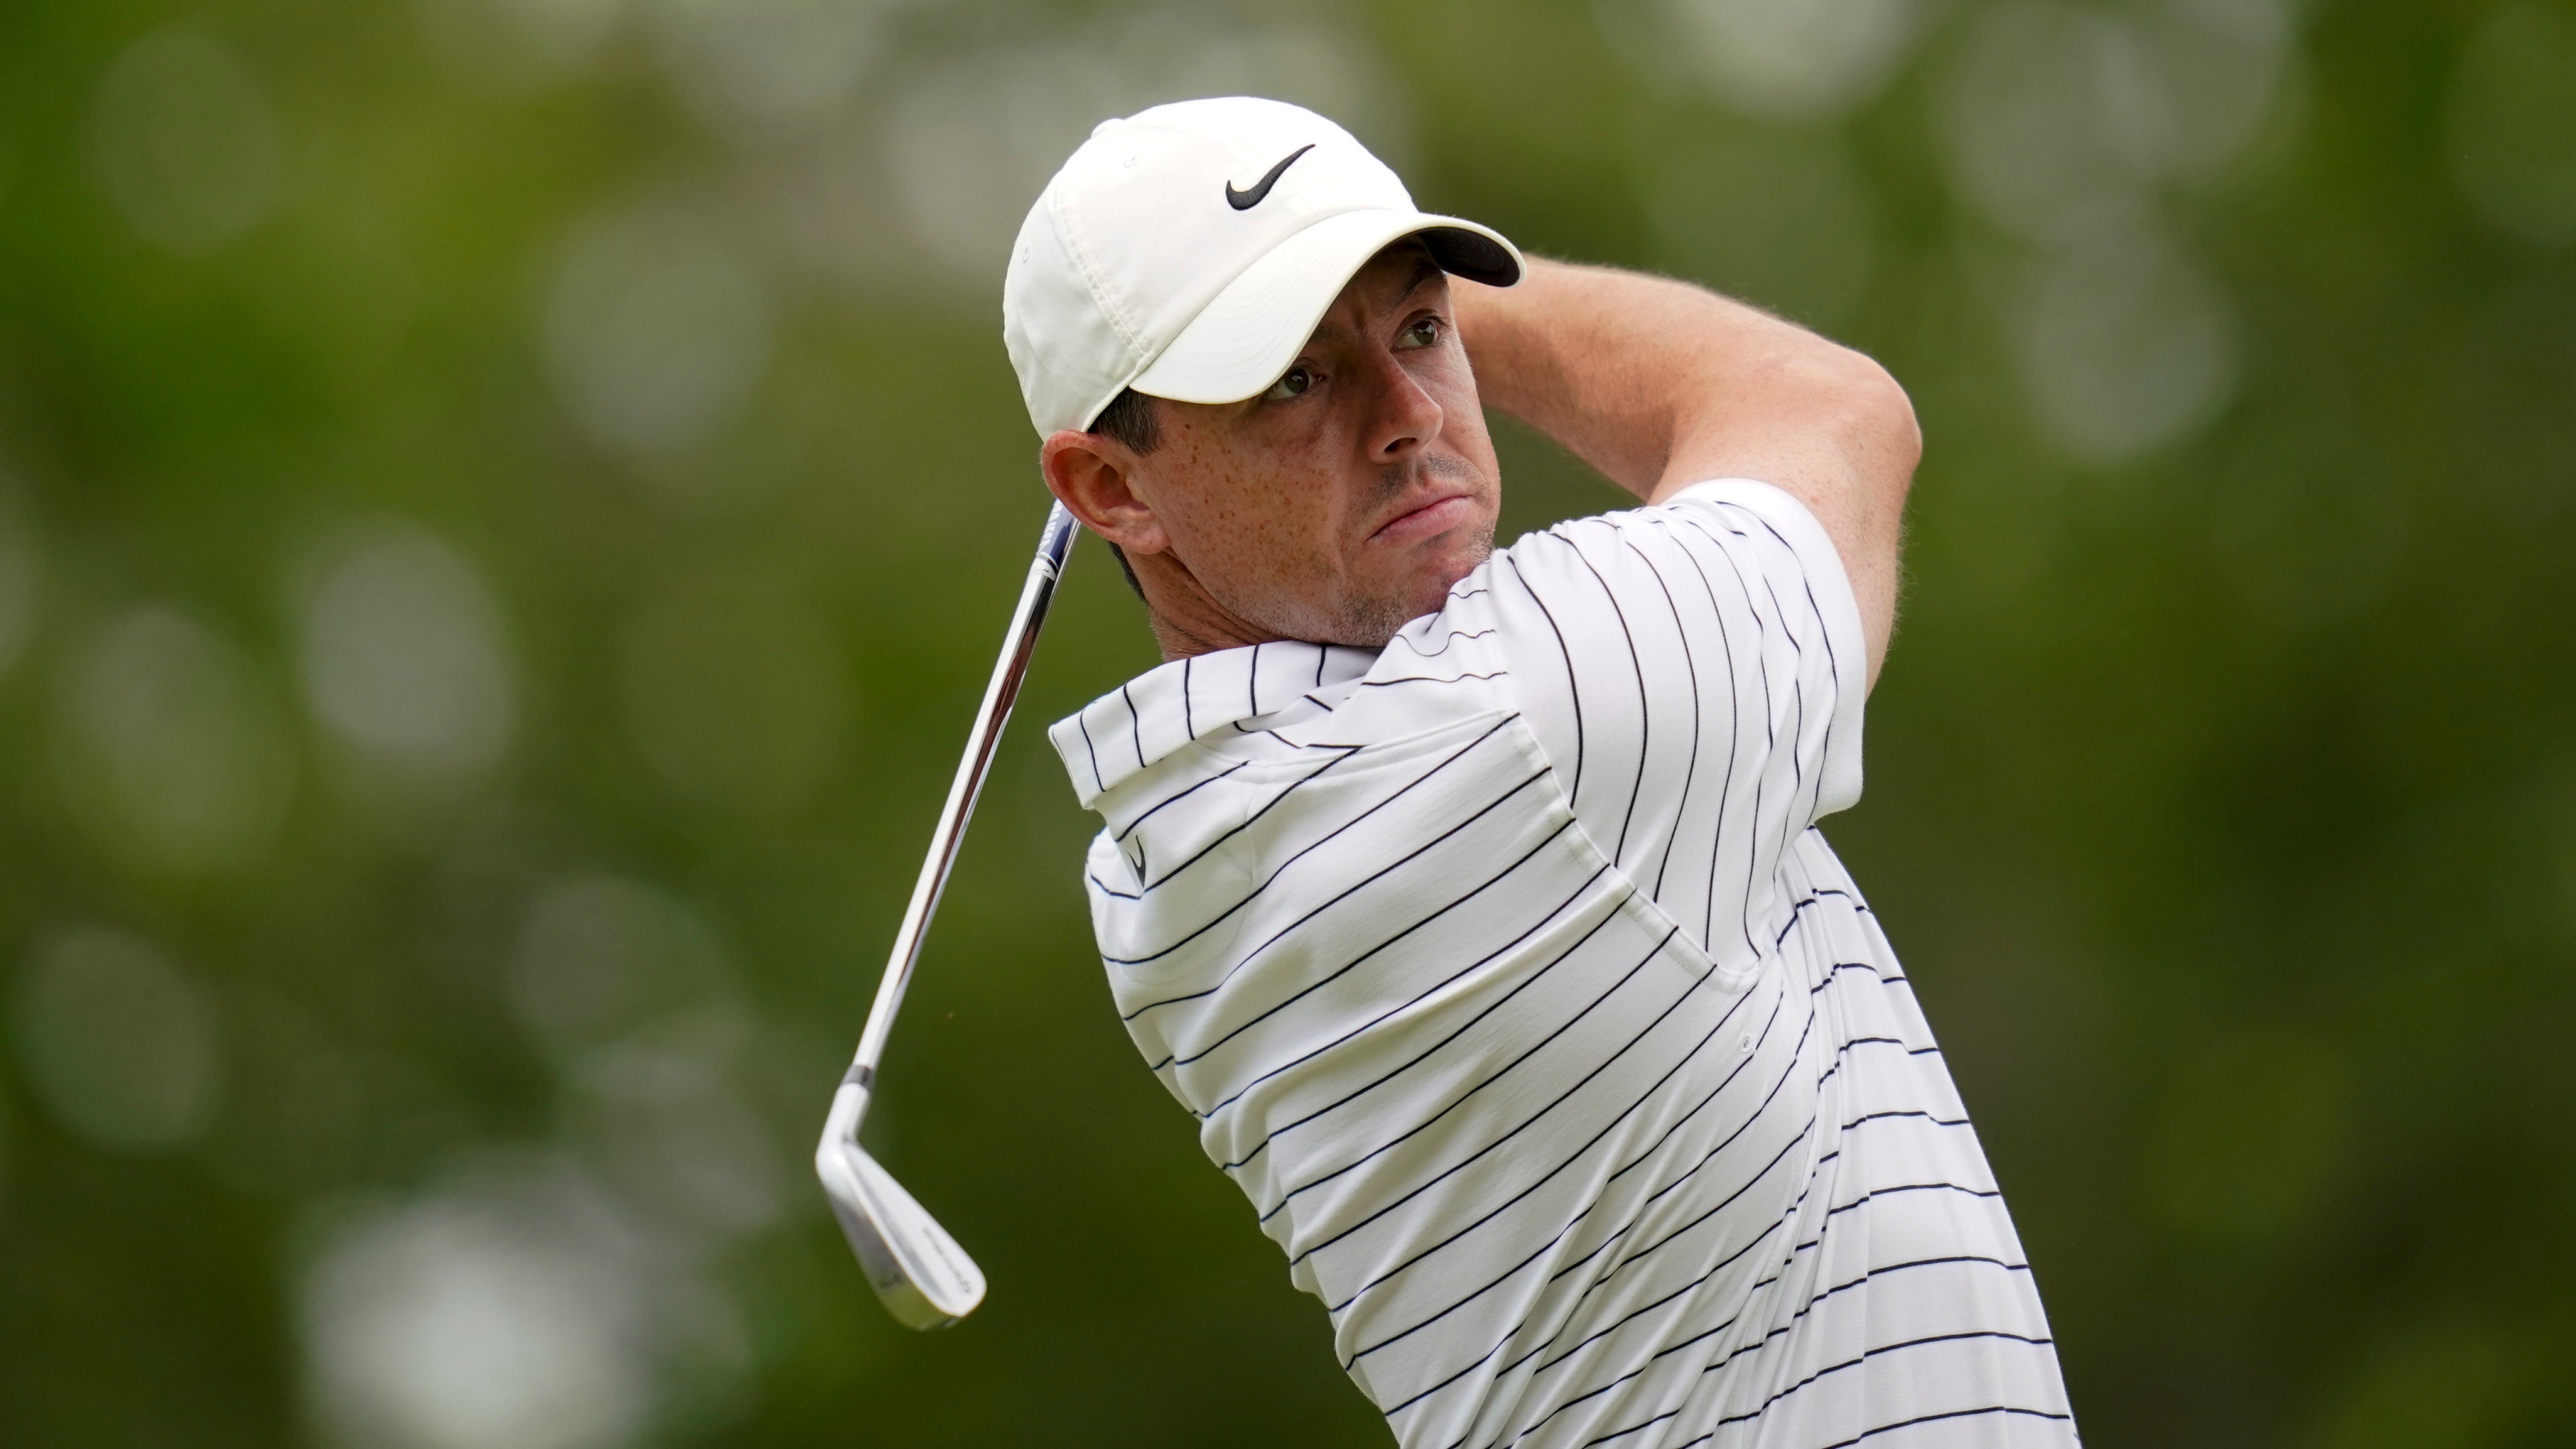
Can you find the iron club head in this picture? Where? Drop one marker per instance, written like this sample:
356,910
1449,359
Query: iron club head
924,1279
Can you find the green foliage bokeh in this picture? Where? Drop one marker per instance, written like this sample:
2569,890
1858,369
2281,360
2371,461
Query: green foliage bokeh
2222,796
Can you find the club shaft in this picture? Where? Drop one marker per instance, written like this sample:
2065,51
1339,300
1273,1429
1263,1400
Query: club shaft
1018,645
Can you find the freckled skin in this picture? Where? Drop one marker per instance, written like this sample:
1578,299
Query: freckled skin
1337,507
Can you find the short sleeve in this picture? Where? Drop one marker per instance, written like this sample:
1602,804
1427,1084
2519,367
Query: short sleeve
1694,674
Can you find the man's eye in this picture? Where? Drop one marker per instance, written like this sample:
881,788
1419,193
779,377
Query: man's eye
1292,383
1424,332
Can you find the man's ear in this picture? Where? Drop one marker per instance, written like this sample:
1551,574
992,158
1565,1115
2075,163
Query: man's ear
1093,476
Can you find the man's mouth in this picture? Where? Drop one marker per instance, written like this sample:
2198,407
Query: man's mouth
1429,519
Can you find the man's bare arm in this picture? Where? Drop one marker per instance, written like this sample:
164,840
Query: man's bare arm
1660,384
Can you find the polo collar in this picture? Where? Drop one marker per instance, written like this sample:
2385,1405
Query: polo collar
1124,732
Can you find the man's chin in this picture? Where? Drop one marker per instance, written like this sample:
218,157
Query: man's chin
1371,623
1468,549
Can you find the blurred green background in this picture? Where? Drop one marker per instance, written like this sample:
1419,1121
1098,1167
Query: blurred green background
506,505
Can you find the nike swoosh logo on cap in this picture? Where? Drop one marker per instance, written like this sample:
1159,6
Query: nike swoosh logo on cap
1247,200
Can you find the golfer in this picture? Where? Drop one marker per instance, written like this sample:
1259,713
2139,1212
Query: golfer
1471,900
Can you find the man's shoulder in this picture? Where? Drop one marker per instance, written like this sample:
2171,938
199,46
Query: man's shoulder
1741,512
1275,706
1351,774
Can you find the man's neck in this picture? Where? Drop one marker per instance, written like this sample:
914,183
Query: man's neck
1184,635
1187,619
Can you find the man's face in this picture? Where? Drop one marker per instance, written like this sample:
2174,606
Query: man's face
1347,499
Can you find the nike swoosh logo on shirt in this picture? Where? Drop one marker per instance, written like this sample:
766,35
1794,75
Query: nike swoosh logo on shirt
1247,200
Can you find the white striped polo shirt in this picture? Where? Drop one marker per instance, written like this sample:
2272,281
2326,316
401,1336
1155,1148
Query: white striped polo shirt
1505,972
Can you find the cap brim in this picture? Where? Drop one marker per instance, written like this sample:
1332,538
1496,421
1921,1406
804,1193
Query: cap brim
1247,336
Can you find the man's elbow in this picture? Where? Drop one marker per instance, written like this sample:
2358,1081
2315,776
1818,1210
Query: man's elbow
1882,442
1883,435
1848,400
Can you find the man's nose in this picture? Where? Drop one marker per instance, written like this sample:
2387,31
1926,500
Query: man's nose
1408,416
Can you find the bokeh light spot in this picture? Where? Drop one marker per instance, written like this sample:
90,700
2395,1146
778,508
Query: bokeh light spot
657,329
766,69
516,45
1793,58
171,751
184,140
2124,344
506,1315
672,1132
2513,123
2053,112
120,1045
601,956
403,656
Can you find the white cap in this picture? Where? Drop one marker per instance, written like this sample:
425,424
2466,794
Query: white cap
1189,250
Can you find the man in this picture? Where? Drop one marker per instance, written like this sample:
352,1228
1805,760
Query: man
1471,901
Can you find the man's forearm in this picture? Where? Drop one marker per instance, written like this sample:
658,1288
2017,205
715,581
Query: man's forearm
1660,384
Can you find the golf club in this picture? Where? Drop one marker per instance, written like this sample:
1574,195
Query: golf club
924,1278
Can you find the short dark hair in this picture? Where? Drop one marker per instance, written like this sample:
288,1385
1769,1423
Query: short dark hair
1131,419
